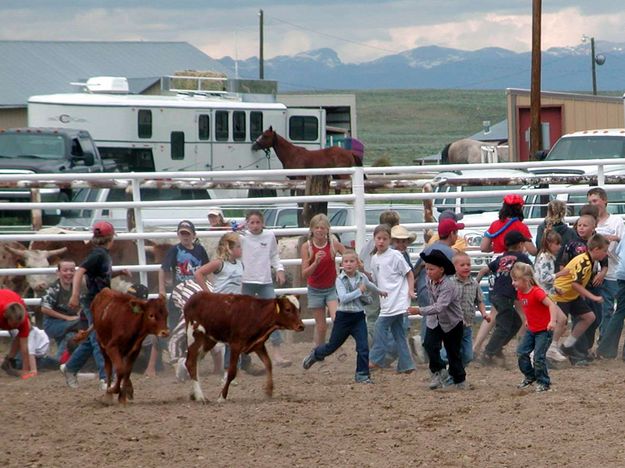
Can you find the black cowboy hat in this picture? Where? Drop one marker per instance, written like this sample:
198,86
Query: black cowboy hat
438,258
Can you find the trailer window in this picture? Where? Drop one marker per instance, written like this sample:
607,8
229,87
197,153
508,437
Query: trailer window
221,125
238,126
145,123
256,125
177,145
203,127
303,128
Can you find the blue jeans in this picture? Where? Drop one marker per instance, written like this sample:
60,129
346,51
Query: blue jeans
608,346
394,323
263,291
348,324
538,342
57,329
466,347
89,347
608,291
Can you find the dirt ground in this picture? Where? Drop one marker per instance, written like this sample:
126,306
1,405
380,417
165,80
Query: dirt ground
321,418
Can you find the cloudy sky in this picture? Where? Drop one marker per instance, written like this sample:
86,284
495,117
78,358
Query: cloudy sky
359,30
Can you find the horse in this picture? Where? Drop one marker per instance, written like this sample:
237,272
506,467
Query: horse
298,157
471,151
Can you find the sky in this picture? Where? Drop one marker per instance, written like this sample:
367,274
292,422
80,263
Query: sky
358,30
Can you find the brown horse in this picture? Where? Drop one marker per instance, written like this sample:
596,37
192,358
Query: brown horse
297,157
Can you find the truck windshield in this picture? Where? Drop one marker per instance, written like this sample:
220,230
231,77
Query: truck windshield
588,147
19,145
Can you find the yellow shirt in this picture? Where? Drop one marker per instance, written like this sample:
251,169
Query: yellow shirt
580,270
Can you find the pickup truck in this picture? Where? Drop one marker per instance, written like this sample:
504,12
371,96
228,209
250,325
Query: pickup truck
47,151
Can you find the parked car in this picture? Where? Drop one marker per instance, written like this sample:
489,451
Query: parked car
153,218
46,151
586,144
482,210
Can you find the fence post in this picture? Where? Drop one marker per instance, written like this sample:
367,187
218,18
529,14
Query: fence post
358,189
136,196
601,175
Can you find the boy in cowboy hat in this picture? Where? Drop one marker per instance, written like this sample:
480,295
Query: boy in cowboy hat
443,321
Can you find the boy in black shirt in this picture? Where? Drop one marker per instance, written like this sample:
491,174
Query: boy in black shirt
502,295
97,268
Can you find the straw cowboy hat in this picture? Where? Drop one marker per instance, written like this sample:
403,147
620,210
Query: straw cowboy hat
400,232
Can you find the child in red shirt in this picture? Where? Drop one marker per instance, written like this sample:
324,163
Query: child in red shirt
13,315
540,317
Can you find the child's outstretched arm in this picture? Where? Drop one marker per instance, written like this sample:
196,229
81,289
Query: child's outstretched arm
582,291
200,274
485,270
371,286
554,311
411,291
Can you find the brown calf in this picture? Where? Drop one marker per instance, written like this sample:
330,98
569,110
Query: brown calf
121,323
243,322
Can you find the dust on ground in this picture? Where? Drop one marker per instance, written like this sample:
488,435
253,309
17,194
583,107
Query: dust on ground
321,417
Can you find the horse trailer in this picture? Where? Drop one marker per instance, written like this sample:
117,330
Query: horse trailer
181,131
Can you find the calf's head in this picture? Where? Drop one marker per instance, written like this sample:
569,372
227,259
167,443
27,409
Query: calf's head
287,308
154,313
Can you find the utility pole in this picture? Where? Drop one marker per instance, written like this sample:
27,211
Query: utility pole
594,70
261,55
535,127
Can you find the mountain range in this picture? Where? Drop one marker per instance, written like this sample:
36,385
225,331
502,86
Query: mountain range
563,69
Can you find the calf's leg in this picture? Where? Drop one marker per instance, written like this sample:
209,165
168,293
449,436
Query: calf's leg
235,351
195,343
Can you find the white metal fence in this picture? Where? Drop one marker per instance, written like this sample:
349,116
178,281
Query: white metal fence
357,197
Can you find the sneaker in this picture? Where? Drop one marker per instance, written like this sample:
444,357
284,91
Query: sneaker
309,360
554,354
365,381
103,386
570,352
71,379
526,383
542,388
438,379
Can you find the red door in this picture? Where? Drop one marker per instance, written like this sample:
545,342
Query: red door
551,121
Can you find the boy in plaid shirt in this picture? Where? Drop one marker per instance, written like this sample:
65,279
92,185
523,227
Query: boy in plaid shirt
470,299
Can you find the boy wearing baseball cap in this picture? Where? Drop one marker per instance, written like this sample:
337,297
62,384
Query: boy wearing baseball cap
502,294
98,270
179,265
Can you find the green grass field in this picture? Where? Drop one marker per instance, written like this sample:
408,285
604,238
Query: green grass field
402,125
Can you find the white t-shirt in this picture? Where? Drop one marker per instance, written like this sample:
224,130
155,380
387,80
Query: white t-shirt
389,270
38,342
260,253
612,226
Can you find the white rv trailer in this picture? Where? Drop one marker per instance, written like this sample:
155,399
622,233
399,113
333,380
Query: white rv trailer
188,131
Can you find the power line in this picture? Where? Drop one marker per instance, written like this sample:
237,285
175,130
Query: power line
332,36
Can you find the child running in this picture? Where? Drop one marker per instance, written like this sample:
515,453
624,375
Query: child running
471,299
507,322
571,291
393,276
540,316
98,269
443,322
319,271
351,286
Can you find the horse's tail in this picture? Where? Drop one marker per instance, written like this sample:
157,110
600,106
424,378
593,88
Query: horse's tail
358,159
445,154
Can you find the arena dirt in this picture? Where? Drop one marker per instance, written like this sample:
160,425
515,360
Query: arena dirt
320,418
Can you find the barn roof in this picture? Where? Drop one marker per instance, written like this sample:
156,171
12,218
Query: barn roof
46,67
497,132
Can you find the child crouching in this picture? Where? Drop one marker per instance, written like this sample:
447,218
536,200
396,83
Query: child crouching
351,286
444,322
540,316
